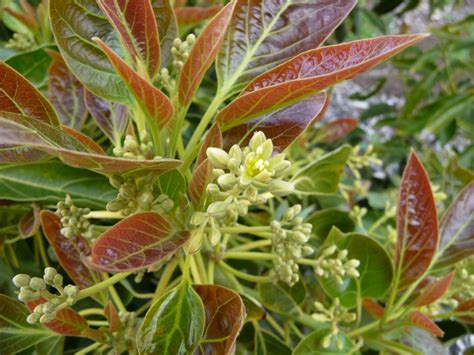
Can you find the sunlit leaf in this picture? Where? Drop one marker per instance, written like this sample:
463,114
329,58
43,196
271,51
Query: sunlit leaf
434,291
424,322
202,54
136,242
312,343
136,25
336,129
417,223
173,324
225,315
213,139
167,27
30,222
193,15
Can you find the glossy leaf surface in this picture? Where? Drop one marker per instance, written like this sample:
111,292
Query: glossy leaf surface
66,93
167,27
173,324
135,22
202,54
136,242
311,344
283,126
417,223
434,290
225,315
213,139
424,322
336,129
191,16
310,72
265,33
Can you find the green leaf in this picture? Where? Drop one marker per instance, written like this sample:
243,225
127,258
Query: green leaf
281,298
172,184
268,344
50,181
322,176
312,344
323,221
33,65
376,271
174,324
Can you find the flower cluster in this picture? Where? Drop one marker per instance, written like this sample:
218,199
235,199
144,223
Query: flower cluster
358,161
132,149
73,220
21,41
32,288
180,51
333,263
334,315
290,236
136,195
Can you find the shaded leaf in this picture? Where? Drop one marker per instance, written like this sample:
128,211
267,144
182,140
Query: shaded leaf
434,291
323,221
213,139
466,306
30,222
66,93
417,223
312,343
423,341
172,184
253,309
136,25
424,322
85,140
373,308
33,65
202,54
173,324
51,346
283,127
268,344
281,298
308,73
167,28
197,187
225,315
136,242
193,15
336,129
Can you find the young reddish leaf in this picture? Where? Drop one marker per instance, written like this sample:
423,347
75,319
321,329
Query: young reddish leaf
424,322
417,223
310,72
136,242
191,16
225,316
374,309
213,139
66,93
466,306
70,251
336,129
167,28
283,126
85,140
434,290
112,316
456,228
110,117
17,95
152,101
197,187
202,54
27,19
136,25
30,222
265,33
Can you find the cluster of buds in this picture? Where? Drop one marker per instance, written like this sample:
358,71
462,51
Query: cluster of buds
132,149
73,220
358,161
180,51
21,41
32,288
333,263
290,236
137,195
334,315
466,282
357,214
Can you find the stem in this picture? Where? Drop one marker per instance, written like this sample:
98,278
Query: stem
243,275
165,278
104,215
194,270
252,245
210,271
98,323
42,250
88,349
92,311
247,230
201,267
135,293
274,324
90,291
249,255
118,301
13,240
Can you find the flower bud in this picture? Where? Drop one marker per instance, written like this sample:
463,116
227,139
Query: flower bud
33,318
71,291
37,284
281,188
27,295
213,189
218,157
21,280
58,280
46,318
318,317
227,181
257,140
329,251
218,208
49,274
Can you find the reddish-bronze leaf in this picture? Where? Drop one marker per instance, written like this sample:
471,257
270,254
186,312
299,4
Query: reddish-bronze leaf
225,316
458,224
191,16
336,129
197,187
373,308
202,54
434,290
310,72
112,316
283,126
152,101
213,139
66,93
17,95
136,242
70,251
468,307
88,142
28,20
424,322
136,25
30,222
167,28
417,223
109,116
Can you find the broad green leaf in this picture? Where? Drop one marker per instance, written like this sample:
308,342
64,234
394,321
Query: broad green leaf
202,54
284,126
50,181
16,333
434,291
66,93
336,129
172,184
194,15
264,33
134,21
167,28
213,139
375,269
33,65
174,324
17,95
312,343
323,175
281,298
309,73
268,344
450,111
417,223
456,228
156,106
323,221
136,242
74,23
51,346
225,315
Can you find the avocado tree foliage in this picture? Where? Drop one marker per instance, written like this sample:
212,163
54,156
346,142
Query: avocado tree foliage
147,166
